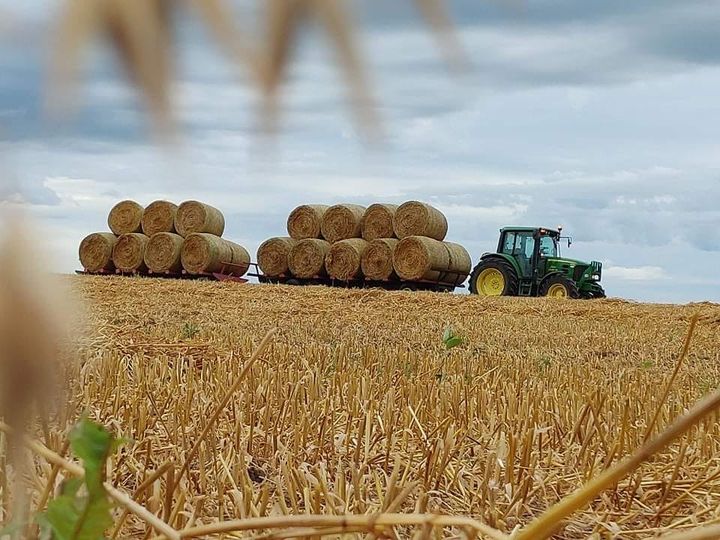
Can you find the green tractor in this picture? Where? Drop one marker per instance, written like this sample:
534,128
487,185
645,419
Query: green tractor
528,263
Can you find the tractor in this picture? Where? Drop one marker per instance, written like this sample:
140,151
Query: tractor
528,263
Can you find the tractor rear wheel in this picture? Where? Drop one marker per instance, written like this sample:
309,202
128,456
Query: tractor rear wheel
494,277
559,287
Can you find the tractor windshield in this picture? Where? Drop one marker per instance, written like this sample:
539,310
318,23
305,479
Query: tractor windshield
548,246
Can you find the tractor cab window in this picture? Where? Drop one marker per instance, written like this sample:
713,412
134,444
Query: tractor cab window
548,246
521,246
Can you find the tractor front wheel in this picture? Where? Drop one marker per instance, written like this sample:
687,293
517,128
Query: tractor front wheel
594,294
559,287
494,277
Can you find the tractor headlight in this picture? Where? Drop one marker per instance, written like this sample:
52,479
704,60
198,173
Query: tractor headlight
596,277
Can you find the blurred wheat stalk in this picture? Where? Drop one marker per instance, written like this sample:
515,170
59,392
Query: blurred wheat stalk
142,34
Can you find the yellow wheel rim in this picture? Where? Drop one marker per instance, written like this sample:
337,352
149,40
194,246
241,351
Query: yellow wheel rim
490,282
558,290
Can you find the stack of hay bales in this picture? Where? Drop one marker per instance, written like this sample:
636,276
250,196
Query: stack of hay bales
163,238
422,253
383,242
322,241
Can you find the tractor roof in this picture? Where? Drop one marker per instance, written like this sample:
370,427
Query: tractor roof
529,229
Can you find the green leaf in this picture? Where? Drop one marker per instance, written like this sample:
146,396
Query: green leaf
447,334
74,518
454,341
92,443
86,516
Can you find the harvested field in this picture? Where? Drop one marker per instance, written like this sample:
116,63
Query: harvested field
358,407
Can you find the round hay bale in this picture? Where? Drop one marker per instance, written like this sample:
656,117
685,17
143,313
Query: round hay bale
460,264
96,252
129,252
204,253
125,217
162,253
305,221
343,261
272,255
415,218
342,221
196,217
377,222
307,258
159,216
377,259
421,258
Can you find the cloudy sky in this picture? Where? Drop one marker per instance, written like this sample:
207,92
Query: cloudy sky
603,116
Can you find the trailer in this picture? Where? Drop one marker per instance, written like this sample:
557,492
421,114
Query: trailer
228,272
450,281
239,273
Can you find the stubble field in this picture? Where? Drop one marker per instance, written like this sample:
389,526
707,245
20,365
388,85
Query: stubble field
357,407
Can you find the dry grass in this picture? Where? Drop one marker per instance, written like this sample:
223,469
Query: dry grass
357,408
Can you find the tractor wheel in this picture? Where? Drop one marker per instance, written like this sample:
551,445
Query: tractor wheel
494,277
559,287
594,295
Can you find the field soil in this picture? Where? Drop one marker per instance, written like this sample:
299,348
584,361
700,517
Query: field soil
358,407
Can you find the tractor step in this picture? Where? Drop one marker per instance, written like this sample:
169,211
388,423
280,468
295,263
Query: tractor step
526,287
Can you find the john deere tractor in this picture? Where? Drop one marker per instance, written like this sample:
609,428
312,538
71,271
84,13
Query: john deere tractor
527,263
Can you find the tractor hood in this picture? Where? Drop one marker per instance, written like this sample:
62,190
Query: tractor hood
578,270
566,262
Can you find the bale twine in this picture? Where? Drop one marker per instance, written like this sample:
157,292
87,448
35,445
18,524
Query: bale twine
129,252
377,259
307,258
415,218
96,252
305,221
197,217
162,253
125,217
342,221
421,258
272,255
159,216
204,253
377,222
343,261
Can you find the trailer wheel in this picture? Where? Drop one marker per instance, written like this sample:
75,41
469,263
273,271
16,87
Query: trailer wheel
408,287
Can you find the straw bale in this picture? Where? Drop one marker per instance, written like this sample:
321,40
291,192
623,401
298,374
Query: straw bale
377,222
129,252
421,258
415,218
206,253
162,253
377,259
125,217
159,216
197,217
460,263
307,258
305,221
343,261
272,255
342,221
96,252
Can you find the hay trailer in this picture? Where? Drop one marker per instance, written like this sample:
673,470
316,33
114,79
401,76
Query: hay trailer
227,272
450,281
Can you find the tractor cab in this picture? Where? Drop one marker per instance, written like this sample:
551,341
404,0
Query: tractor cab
528,263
